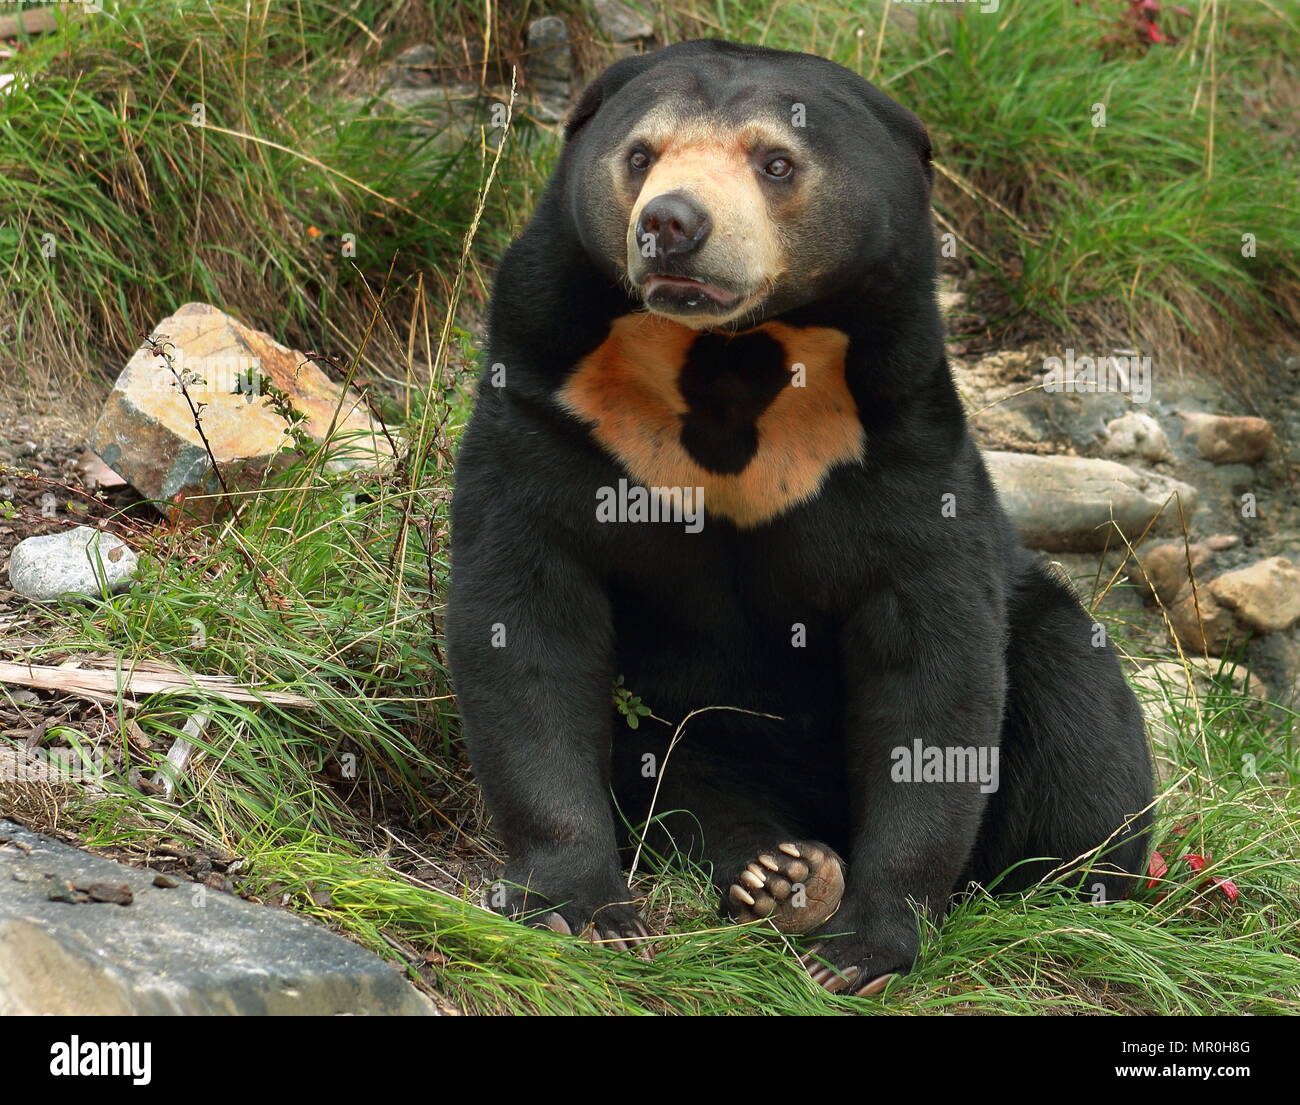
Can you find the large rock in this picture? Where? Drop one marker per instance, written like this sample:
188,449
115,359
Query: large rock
1225,439
550,50
415,67
1202,624
81,935
81,561
146,431
433,121
549,68
1066,504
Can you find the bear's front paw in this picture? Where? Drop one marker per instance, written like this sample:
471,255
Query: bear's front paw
796,886
602,913
860,958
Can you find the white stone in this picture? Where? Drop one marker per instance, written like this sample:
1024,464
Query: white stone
1135,434
80,561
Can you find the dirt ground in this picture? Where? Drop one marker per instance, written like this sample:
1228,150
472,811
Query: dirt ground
50,481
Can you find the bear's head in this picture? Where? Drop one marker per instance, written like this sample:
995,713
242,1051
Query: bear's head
726,184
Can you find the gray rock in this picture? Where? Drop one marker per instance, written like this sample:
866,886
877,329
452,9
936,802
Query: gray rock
1067,503
184,950
79,561
445,116
550,49
414,67
620,23
427,124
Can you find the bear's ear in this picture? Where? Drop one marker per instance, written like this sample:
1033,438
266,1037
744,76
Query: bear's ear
603,87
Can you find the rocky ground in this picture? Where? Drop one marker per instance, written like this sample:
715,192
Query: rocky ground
1240,520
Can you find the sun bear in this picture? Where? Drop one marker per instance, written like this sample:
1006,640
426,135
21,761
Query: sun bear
717,456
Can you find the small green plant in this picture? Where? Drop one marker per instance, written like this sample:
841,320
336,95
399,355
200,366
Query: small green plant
294,420
629,705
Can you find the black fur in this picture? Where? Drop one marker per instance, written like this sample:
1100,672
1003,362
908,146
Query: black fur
918,625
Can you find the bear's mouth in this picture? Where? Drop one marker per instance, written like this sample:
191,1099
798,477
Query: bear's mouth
684,294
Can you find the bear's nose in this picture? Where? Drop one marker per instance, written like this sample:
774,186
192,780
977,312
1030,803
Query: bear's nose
674,224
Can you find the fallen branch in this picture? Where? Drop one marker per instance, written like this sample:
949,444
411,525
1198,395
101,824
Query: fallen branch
107,685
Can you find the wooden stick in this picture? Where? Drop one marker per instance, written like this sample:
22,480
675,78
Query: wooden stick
107,685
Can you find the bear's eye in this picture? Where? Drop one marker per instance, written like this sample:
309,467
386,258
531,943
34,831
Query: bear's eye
639,161
778,168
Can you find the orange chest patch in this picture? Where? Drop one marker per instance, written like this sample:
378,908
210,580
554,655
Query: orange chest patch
756,419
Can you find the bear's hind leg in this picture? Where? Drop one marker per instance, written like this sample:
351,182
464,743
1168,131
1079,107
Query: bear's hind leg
1075,772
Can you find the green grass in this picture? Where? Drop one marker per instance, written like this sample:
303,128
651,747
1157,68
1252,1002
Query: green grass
1132,232
99,156
359,810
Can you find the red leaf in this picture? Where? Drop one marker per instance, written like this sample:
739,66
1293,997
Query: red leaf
1229,889
1157,869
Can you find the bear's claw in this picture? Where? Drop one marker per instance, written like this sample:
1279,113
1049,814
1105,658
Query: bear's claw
633,937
